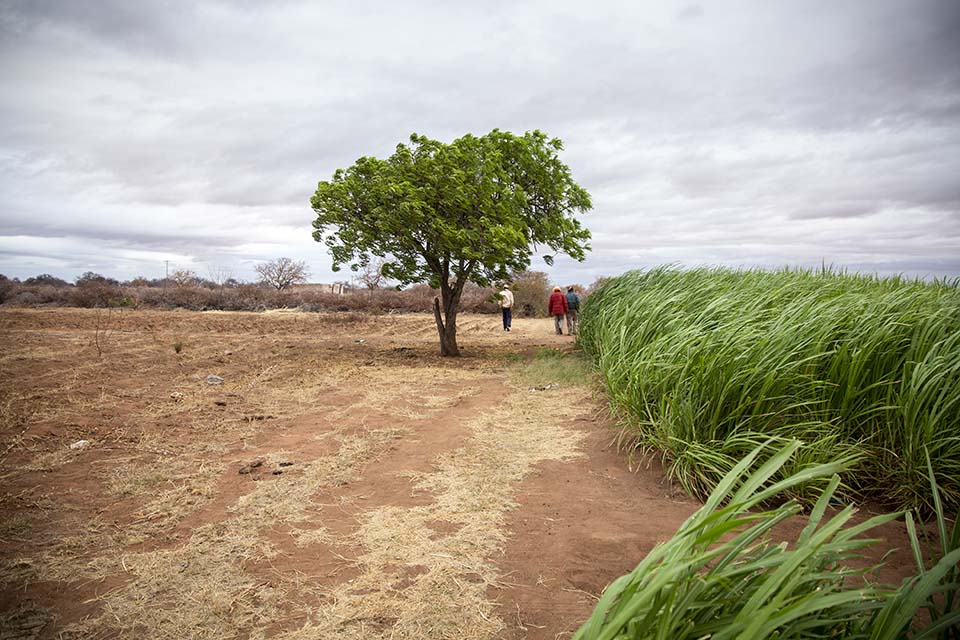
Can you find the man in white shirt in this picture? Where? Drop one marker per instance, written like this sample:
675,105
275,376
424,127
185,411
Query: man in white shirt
506,307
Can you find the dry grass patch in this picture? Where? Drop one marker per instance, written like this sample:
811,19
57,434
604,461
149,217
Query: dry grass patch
198,590
180,487
19,526
417,582
50,460
406,391
307,537
91,553
201,589
24,623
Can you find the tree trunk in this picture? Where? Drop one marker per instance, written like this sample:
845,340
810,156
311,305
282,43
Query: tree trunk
447,320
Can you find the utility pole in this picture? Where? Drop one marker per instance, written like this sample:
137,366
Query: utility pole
166,276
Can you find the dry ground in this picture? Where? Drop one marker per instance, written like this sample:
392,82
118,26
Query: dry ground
343,481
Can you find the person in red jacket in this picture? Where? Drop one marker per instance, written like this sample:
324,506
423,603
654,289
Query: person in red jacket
557,307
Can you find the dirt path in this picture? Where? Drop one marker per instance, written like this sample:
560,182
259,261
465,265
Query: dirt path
341,481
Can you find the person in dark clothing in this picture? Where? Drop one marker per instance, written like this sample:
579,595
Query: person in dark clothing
557,307
573,311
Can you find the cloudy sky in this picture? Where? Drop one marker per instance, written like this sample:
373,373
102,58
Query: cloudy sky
738,133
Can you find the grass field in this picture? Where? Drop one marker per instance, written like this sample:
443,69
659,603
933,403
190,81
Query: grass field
757,387
707,364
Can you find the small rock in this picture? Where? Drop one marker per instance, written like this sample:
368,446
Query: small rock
220,403
250,466
228,352
212,379
286,464
360,341
254,418
79,444
277,472
176,396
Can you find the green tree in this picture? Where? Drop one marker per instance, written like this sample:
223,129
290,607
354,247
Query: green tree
447,214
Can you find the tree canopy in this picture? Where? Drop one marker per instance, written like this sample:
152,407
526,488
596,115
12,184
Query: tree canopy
282,272
46,279
475,209
91,278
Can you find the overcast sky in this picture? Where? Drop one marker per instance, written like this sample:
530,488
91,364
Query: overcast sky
737,133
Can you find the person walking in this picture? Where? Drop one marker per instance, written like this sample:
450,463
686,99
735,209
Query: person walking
506,307
573,311
557,307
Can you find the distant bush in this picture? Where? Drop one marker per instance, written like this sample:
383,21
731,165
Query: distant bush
96,293
95,278
531,290
93,291
24,298
46,279
192,298
28,296
251,297
7,288
478,300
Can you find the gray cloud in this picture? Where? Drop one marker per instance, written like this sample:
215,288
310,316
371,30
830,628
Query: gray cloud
738,132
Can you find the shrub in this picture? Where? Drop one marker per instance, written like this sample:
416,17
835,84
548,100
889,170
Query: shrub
250,297
46,279
96,293
7,288
531,290
90,278
24,298
23,295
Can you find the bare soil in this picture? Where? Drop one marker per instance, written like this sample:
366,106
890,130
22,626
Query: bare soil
342,480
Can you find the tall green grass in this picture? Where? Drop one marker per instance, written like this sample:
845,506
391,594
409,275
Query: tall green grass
707,364
722,577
